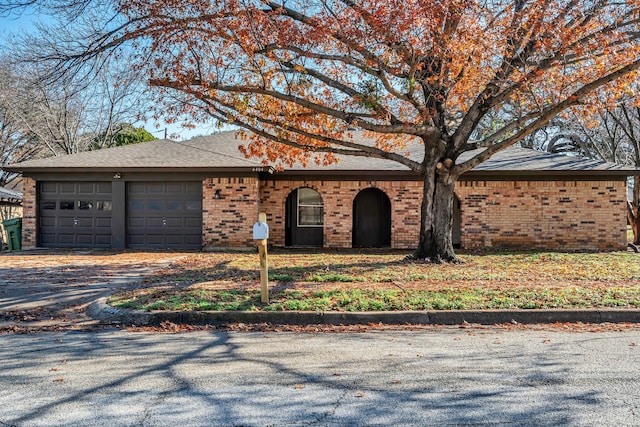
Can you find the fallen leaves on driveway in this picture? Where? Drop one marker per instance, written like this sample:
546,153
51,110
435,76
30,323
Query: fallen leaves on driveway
53,287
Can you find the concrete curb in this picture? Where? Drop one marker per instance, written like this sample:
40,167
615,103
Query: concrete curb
99,310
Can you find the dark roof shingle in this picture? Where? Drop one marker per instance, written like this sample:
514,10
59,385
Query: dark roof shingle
220,152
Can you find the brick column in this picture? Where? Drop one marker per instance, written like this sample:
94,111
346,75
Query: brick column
29,213
228,218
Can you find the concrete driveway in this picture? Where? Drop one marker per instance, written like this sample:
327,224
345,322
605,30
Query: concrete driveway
53,287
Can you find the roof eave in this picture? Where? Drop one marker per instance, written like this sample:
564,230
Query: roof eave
513,174
552,173
129,169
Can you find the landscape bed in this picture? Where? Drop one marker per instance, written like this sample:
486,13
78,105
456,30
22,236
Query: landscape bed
388,281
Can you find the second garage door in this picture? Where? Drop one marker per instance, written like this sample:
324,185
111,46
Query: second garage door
164,215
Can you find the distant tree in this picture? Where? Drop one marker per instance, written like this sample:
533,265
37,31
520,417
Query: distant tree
301,74
68,112
41,117
16,144
122,134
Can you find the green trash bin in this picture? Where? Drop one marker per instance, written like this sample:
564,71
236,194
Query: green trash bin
13,227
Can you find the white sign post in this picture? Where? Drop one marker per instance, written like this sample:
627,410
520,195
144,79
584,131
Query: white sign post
261,234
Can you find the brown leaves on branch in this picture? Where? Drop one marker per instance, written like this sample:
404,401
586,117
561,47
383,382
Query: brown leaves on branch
304,73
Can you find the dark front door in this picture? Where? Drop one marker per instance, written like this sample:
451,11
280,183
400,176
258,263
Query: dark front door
371,219
74,214
456,232
164,215
304,218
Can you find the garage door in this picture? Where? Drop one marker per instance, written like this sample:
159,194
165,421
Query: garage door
164,215
74,214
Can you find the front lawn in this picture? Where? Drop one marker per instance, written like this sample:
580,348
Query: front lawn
330,281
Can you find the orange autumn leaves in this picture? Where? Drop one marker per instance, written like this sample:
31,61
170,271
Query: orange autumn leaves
305,72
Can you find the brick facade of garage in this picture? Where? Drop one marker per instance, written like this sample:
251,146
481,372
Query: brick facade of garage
561,215
227,220
29,213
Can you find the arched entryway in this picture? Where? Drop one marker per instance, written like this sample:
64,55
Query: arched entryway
304,219
371,219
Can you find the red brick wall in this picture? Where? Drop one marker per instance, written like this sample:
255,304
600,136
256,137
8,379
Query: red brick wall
338,199
228,221
563,215
29,213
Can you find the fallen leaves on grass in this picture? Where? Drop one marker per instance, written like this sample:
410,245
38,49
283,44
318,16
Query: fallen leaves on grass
334,281
354,269
219,297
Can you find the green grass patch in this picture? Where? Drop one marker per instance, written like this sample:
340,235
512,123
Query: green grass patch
380,300
392,267
388,281
335,277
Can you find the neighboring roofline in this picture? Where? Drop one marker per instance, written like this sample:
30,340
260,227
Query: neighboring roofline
10,197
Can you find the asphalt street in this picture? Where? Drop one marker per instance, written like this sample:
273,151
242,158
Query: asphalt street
429,377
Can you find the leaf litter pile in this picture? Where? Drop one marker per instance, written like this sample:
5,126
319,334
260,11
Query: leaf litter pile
375,281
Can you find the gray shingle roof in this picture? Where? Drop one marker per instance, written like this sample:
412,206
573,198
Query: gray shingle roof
220,152
217,151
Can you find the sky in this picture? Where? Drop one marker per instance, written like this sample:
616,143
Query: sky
26,23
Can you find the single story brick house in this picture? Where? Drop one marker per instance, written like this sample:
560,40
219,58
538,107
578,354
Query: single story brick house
203,194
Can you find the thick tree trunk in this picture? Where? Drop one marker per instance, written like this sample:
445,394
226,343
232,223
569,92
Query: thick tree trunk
436,244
